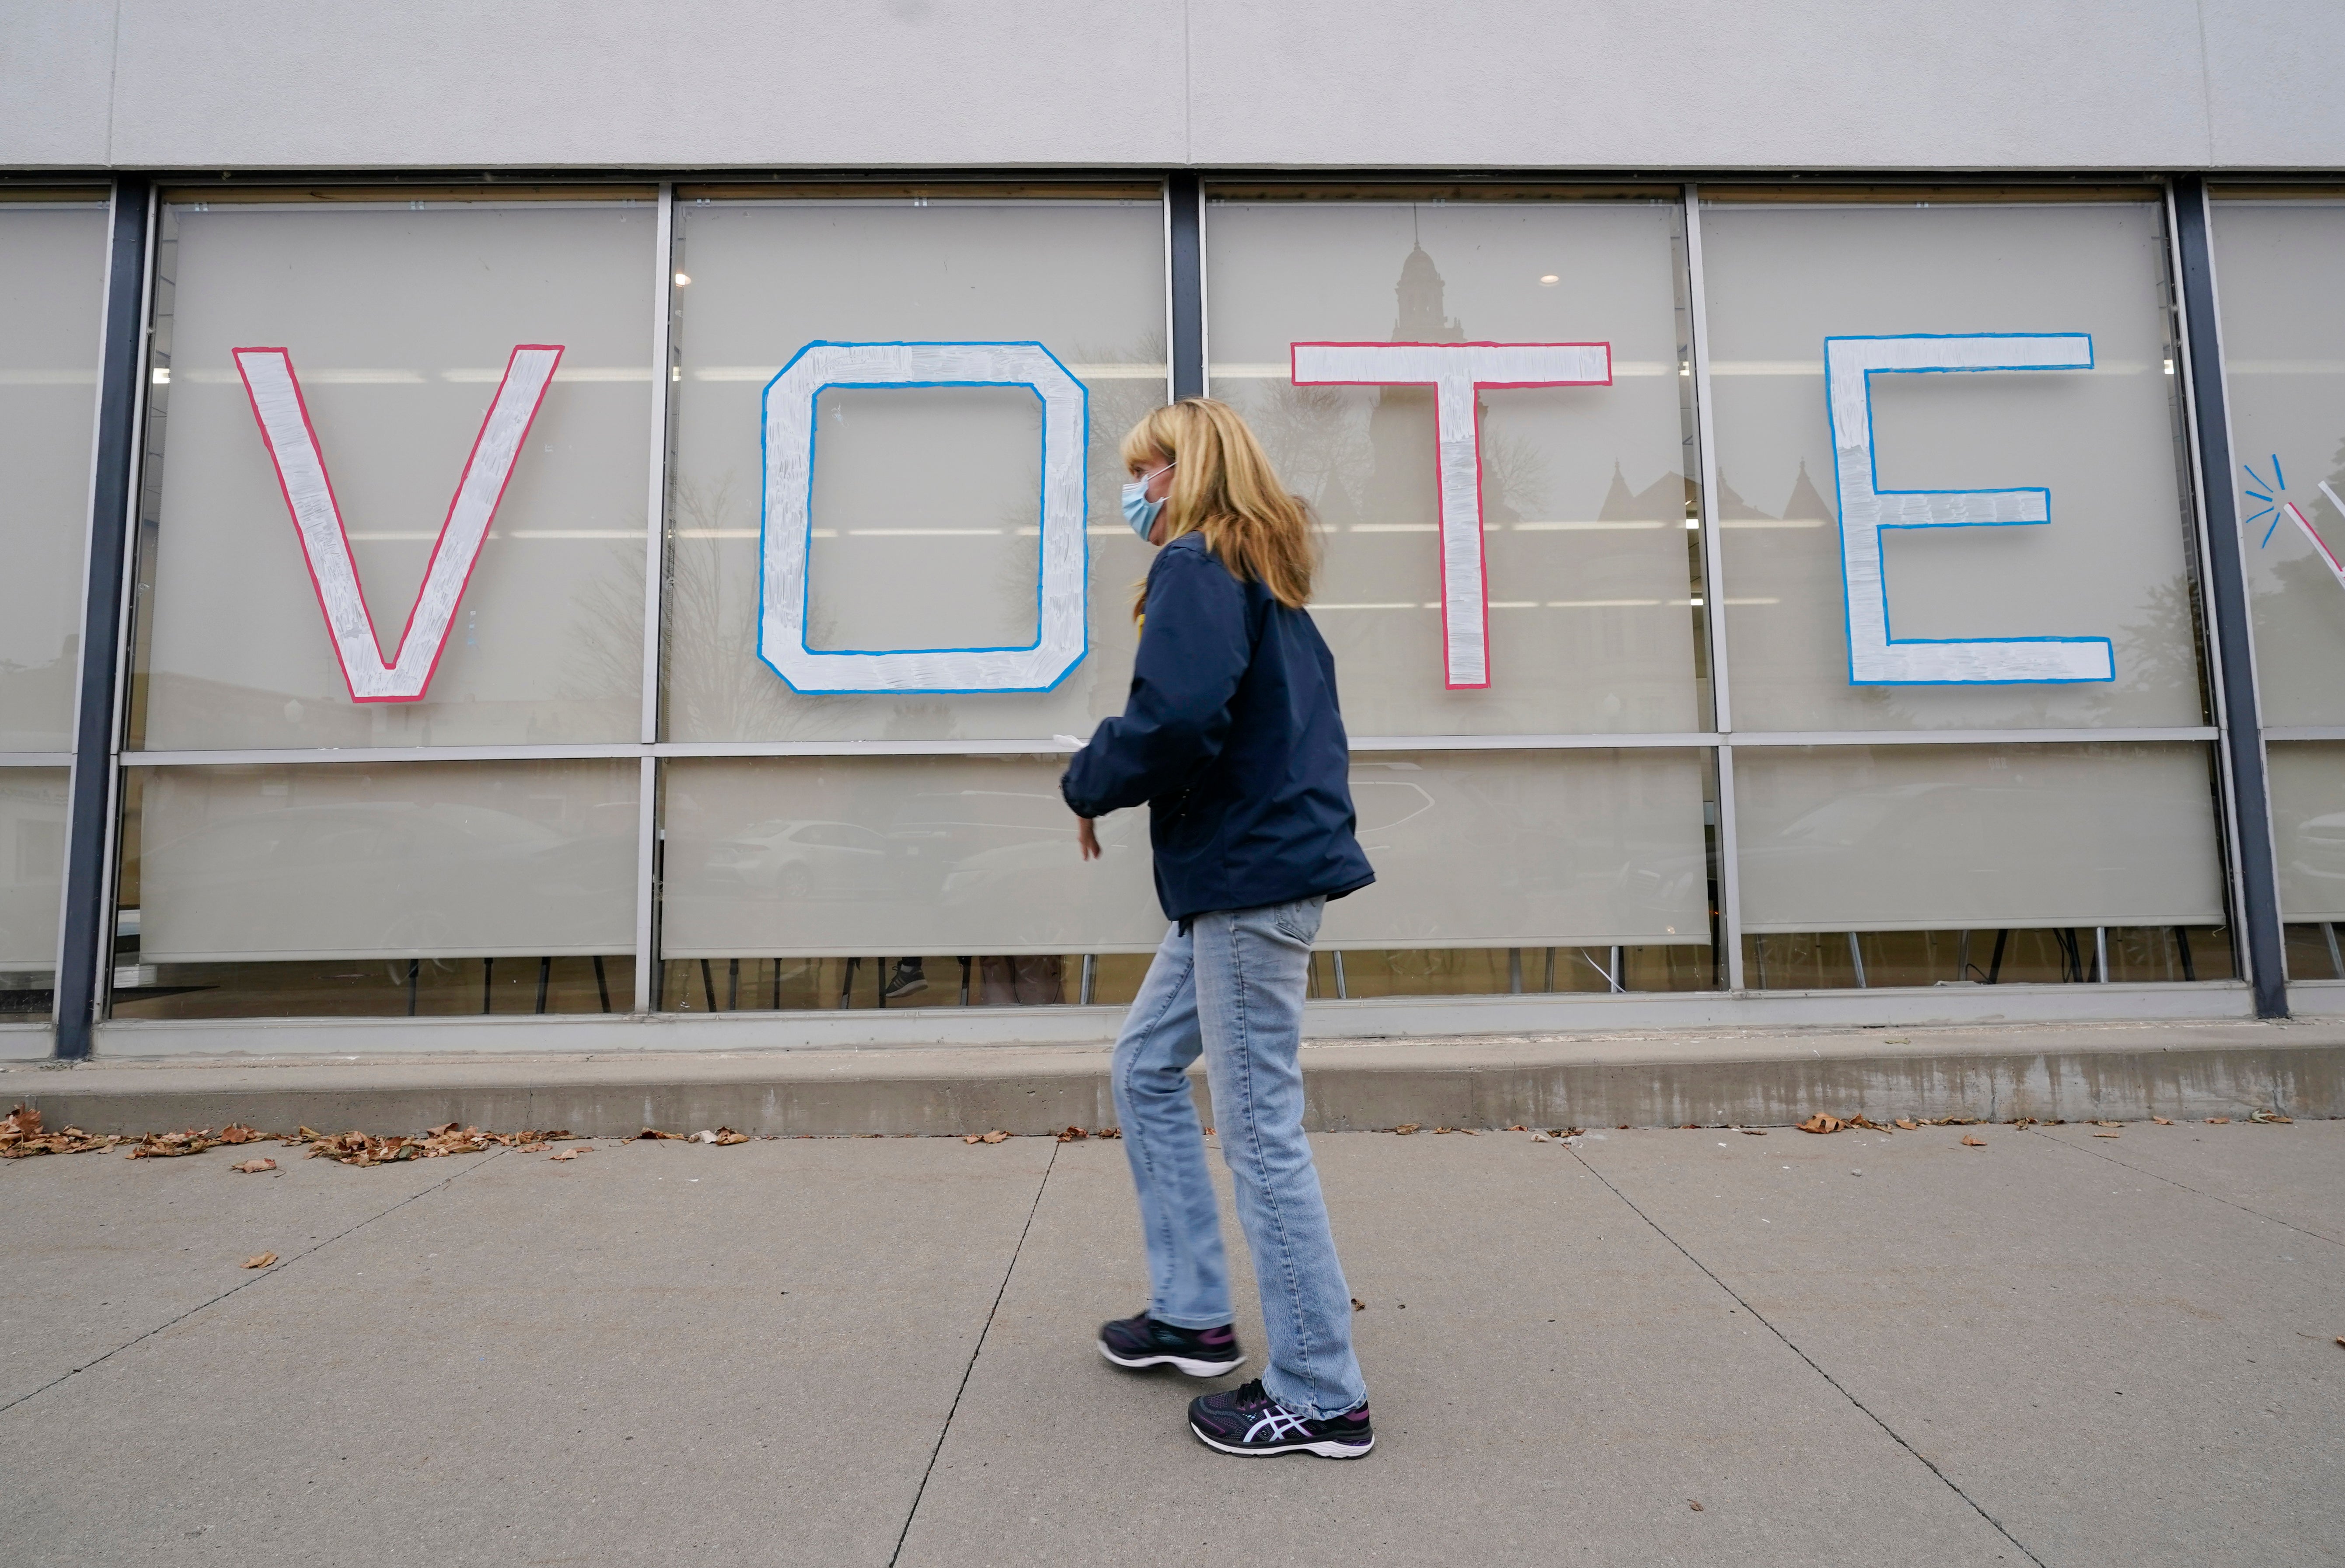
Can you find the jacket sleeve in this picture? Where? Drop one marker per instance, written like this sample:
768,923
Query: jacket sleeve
1194,648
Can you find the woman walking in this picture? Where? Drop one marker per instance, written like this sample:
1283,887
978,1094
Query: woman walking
1230,735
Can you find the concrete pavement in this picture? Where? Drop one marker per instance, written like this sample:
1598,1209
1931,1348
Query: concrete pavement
2061,1347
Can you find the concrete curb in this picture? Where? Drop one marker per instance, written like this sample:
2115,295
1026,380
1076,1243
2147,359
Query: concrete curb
1712,1077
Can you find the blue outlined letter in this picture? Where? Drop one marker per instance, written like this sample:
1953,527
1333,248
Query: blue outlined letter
1866,511
786,520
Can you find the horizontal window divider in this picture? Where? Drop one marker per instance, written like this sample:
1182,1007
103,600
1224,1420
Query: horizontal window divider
1029,747
35,759
1962,737
2304,732
289,757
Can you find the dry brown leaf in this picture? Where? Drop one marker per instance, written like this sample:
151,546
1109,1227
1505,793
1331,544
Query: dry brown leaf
2161,1121
570,1154
1518,1127
253,1167
1360,1306
1072,1135
1820,1123
172,1144
1689,1126
1109,1132
654,1132
996,1135
1752,1132
2271,1115
972,1137
21,1137
1868,1124
2218,1120
1970,1142
263,1261
727,1137
2105,1134
1692,1504
1909,1124
236,1132
1404,1129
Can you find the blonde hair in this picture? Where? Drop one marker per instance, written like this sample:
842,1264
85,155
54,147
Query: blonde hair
1224,487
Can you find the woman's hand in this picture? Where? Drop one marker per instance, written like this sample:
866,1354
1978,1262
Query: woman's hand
1087,836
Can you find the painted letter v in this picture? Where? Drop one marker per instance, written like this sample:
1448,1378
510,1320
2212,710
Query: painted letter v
276,403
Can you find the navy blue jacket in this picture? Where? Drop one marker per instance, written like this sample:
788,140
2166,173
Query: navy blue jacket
1232,737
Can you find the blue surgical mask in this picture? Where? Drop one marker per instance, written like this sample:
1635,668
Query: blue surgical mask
1138,510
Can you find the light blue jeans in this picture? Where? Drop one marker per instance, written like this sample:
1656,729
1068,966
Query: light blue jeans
1232,988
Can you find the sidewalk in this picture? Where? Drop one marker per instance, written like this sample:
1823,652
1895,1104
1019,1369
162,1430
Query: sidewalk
2062,1348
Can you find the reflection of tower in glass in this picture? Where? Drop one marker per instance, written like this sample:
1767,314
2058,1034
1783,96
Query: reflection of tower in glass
1404,487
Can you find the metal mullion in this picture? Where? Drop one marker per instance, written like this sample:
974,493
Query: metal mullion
646,883
85,944
2207,418
664,376
1730,877
1184,210
36,759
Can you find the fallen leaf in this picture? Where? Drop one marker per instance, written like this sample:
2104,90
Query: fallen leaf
263,1261
1819,1122
236,1132
1518,1127
727,1137
2218,1120
2271,1115
21,1137
1404,1129
2105,1134
570,1154
1109,1132
2107,1124
1868,1125
1695,1506
172,1144
1909,1124
996,1135
2161,1121
1970,1142
1541,1138
654,1132
972,1137
1691,1127
253,1167
1752,1132
1360,1306
1073,1135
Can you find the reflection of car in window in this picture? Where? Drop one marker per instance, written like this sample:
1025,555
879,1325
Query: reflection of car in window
2320,846
799,859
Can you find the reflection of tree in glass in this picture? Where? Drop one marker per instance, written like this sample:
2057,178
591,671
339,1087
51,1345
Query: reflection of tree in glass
723,690
1317,439
2158,653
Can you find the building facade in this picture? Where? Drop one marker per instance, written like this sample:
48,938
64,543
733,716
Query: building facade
553,535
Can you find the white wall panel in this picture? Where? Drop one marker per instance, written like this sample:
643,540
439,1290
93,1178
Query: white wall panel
1513,83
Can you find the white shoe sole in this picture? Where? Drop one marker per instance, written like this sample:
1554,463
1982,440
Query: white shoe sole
1178,1363
1326,1447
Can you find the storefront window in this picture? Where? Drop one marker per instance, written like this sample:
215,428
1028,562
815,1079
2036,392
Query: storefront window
425,888
1590,585
1974,613
920,504
404,323
51,294
2284,361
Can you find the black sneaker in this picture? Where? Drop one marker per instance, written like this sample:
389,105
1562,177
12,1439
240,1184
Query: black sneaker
908,978
1247,1420
1142,1341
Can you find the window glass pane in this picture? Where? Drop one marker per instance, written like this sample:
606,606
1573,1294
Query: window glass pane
1499,849
1877,838
1999,955
2308,803
2284,360
32,880
52,295
400,319
354,861
846,857
925,505
2110,562
1589,566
